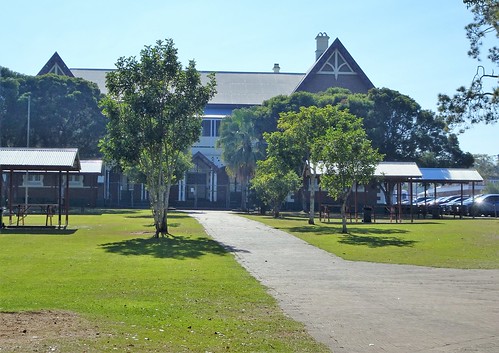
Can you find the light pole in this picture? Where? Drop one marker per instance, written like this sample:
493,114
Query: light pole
27,145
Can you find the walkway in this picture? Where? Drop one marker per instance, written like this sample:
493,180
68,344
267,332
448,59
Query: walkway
365,307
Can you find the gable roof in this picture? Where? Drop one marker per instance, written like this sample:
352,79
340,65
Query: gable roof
233,88
53,159
335,68
397,170
55,65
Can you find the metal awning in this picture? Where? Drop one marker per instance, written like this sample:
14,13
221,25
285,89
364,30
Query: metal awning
450,175
46,159
398,170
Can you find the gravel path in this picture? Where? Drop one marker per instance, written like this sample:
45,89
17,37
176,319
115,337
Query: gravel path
365,307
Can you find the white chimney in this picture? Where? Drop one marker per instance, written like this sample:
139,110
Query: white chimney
322,44
276,68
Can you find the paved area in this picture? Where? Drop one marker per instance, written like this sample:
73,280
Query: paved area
365,307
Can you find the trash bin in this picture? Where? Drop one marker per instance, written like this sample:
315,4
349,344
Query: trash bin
367,214
435,212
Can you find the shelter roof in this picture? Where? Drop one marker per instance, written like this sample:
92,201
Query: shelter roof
53,159
93,166
450,175
397,170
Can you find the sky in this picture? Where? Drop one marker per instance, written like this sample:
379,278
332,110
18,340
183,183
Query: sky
418,48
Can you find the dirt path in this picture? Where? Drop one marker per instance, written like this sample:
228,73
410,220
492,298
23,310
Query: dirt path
365,307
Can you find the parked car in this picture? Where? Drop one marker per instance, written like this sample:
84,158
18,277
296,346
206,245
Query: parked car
486,205
451,207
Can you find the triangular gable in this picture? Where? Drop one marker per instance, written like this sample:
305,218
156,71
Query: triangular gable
205,160
335,68
55,65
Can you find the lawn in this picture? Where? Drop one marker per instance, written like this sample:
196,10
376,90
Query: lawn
453,243
138,294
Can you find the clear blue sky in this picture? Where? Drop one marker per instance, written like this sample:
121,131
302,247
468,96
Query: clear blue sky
415,47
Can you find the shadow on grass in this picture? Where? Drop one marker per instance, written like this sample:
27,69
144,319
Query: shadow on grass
366,236
37,231
324,230
375,241
177,247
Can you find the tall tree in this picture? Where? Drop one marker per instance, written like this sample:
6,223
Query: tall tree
402,131
154,107
346,156
64,112
241,147
480,101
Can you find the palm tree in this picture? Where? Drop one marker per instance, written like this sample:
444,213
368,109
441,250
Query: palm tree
241,147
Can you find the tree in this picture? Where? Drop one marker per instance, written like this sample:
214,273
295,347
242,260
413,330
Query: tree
273,182
480,101
294,141
241,147
154,107
346,156
402,131
64,112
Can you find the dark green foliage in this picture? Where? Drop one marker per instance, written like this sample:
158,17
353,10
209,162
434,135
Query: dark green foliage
64,112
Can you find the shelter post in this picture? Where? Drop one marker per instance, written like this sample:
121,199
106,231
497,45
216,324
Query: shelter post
411,197
1,198
66,199
59,201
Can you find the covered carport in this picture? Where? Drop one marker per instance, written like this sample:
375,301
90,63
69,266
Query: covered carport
450,176
393,175
40,160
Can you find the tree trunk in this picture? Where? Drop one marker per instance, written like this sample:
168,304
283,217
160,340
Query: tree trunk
344,217
311,213
276,210
244,185
344,211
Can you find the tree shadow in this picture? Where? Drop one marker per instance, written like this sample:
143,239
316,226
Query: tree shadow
375,241
177,247
327,230
38,230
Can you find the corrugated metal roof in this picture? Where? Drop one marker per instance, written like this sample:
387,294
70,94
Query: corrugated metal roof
235,88
91,166
450,175
39,158
397,170
251,88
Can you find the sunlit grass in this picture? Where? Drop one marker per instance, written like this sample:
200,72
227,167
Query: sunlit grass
454,243
177,294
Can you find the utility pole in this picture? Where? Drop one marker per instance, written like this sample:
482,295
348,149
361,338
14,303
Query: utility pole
27,145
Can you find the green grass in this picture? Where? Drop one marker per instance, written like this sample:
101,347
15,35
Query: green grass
453,243
181,294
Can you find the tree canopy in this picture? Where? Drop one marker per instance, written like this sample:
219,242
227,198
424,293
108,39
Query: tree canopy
154,110
480,101
346,156
241,147
64,112
273,182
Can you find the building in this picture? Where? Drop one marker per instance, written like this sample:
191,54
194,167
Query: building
207,183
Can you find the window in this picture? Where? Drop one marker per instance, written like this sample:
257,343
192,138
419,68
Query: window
210,127
33,180
76,180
